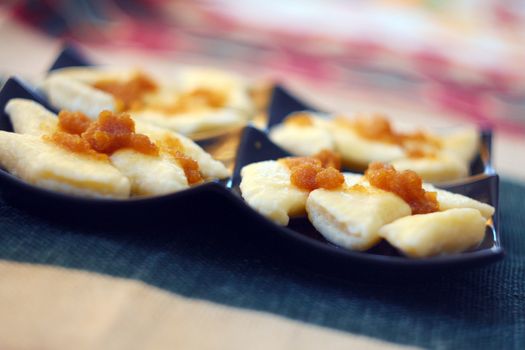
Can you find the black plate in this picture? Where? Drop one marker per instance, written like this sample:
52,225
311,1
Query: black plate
300,238
283,103
255,147
70,56
45,201
21,192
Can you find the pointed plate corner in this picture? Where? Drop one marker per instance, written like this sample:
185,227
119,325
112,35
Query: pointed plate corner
70,56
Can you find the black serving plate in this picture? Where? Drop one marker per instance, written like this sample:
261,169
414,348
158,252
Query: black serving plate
70,56
283,103
255,147
17,191
299,240
20,192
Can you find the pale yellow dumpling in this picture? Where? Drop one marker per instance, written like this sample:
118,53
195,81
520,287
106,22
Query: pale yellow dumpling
351,218
358,152
72,89
267,188
438,168
448,200
445,232
464,143
304,138
148,175
193,122
191,78
355,216
29,117
373,138
46,165
210,168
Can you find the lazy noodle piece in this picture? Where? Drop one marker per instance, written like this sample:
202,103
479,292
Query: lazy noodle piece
378,128
395,205
278,189
136,164
129,95
194,102
303,134
363,140
198,99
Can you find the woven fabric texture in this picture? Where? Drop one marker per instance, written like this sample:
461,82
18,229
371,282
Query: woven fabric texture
480,308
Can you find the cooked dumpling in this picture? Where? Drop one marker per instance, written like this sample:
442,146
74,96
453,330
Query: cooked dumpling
230,105
303,134
192,122
437,168
192,78
356,211
363,140
267,188
464,143
188,104
29,117
149,174
162,176
446,232
448,200
66,93
72,89
357,152
352,218
278,189
209,167
46,165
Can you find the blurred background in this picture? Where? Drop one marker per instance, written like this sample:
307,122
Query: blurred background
432,62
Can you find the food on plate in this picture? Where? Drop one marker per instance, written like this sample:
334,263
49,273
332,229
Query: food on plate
451,221
448,200
43,164
357,211
445,232
78,153
438,168
278,189
353,217
366,139
405,184
303,134
191,101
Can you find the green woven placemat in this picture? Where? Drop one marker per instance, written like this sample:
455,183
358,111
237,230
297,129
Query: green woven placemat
482,308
